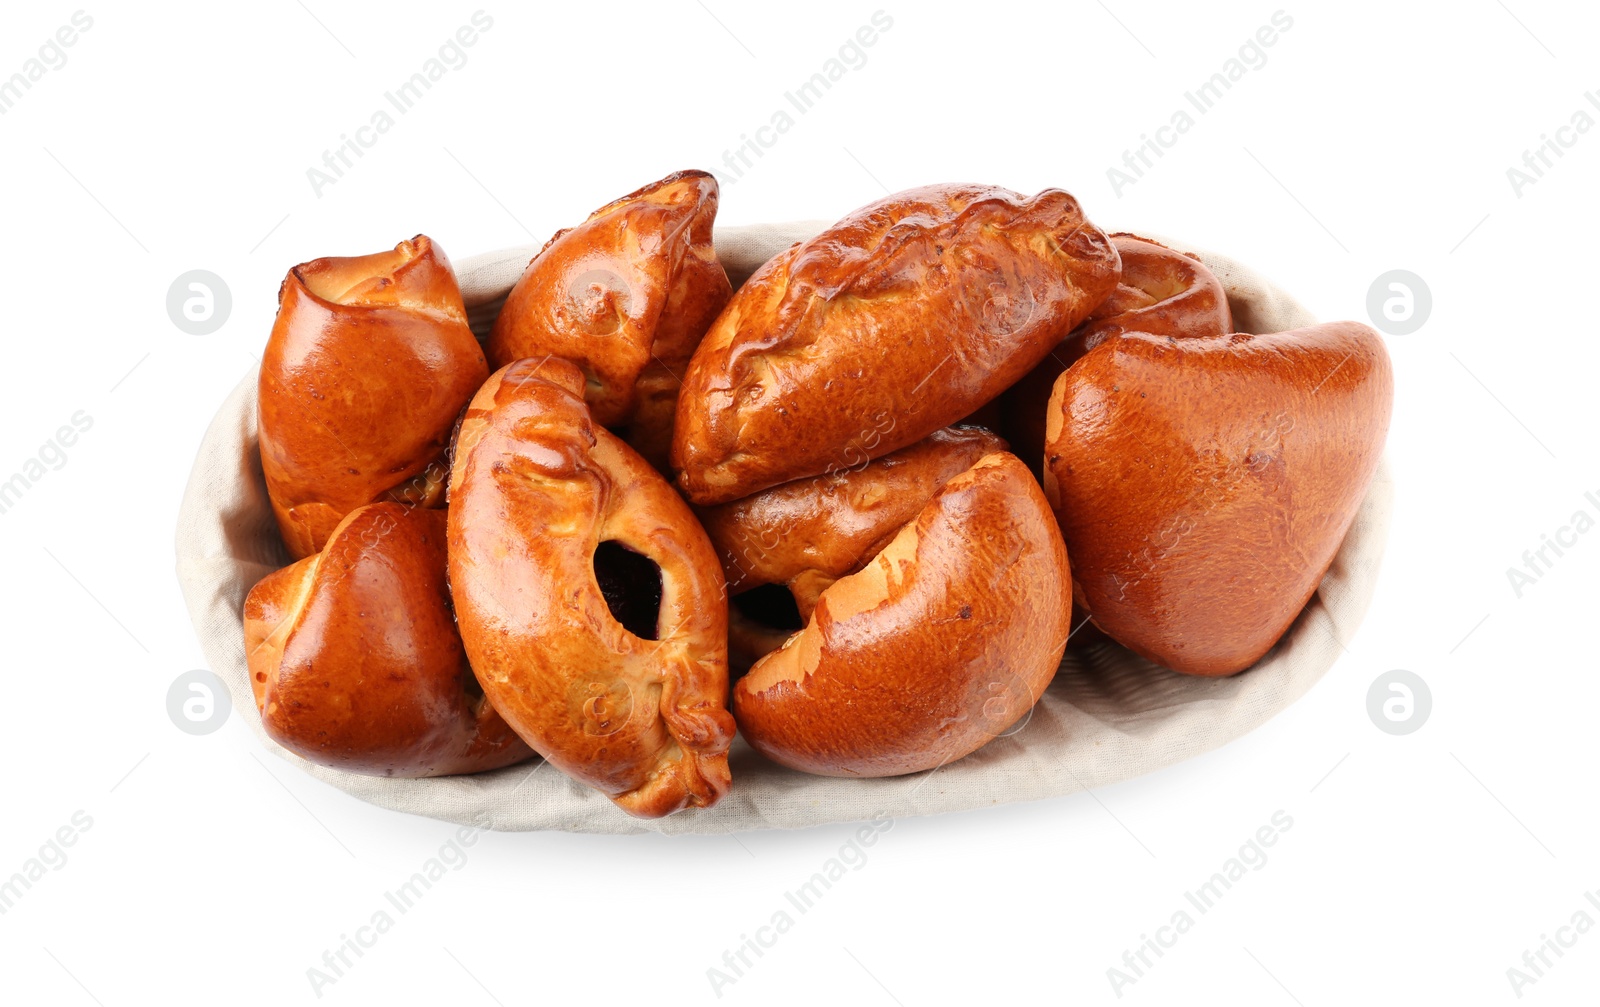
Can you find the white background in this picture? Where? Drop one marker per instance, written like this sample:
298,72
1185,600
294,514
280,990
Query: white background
1377,136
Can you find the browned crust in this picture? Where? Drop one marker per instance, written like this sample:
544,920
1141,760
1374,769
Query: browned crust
537,486
808,533
1162,291
901,319
626,295
939,644
1204,485
369,362
355,661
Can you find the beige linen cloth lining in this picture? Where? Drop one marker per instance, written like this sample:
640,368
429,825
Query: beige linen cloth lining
1108,716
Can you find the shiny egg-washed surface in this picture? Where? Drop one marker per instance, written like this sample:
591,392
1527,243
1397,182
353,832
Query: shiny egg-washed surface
625,295
536,488
808,533
1204,485
902,318
1163,291
941,642
355,661
1109,715
369,363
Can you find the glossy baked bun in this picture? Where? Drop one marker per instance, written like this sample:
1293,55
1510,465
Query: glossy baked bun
355,660
904,317
369,364
549,513
808,533
626,295
943,640
1163,292
1204,485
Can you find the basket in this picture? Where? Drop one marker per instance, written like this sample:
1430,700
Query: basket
1108,716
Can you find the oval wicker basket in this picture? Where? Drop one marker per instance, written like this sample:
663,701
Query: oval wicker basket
1108,715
